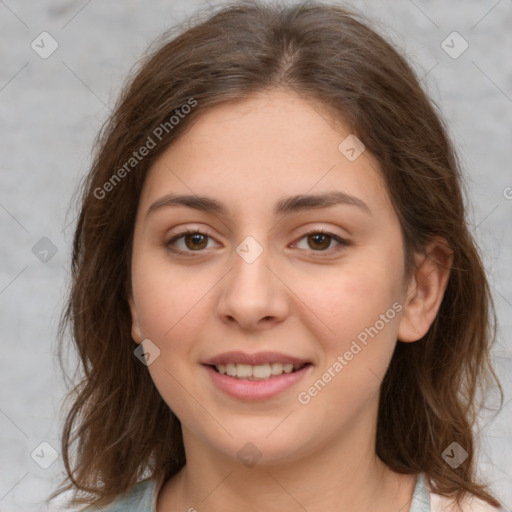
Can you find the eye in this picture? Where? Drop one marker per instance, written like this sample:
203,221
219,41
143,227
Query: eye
320,240
193,240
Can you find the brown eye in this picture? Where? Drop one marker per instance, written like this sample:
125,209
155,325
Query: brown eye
196,241
319,241
188,241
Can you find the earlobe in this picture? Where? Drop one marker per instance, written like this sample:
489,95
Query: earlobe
136,331
426,290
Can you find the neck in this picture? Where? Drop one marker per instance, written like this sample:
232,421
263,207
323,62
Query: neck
344,475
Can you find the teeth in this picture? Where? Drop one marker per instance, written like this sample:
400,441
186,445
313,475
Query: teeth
243,370
276,368
261,371
258,372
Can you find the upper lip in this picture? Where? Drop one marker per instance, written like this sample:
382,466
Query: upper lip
254,359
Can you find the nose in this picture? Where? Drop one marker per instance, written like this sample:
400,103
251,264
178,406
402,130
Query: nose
253,295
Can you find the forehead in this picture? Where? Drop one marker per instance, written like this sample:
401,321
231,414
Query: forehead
251,152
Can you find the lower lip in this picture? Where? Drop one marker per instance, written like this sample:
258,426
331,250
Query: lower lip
256,389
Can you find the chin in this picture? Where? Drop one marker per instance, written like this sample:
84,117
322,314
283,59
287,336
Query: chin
264,447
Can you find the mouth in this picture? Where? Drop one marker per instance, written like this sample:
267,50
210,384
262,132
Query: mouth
257,372
256,377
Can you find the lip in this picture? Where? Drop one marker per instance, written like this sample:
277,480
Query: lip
255,359
256,389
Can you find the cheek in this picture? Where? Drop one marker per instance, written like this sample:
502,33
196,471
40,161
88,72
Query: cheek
361,313
172,305
348,301
360,310
167,298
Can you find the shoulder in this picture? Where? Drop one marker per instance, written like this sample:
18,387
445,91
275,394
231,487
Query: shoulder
141,498
440,503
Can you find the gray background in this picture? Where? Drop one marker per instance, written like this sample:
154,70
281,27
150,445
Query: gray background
51,111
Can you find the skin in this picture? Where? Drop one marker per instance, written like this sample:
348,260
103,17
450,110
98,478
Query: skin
301,296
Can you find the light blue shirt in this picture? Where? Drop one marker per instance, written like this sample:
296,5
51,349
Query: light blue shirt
144,495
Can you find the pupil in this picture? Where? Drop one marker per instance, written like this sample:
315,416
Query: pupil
317,239
195,240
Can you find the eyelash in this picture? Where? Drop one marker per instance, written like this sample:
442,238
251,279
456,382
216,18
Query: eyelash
342,242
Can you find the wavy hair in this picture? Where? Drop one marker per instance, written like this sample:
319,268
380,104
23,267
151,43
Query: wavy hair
113,431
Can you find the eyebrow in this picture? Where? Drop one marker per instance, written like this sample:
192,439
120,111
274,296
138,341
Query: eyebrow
283,206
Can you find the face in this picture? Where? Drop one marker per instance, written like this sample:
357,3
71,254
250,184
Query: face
298,301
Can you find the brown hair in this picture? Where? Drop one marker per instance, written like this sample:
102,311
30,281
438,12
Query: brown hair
329,55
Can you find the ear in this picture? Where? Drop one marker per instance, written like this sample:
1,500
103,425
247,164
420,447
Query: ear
425,290
136,330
